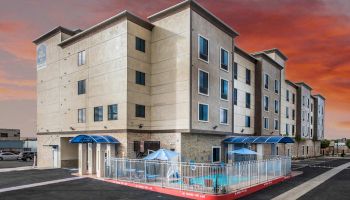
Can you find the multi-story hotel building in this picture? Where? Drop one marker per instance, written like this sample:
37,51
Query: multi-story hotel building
174,81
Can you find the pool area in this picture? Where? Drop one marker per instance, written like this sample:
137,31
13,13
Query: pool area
205,178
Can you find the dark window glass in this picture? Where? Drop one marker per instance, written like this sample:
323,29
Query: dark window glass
293,114
277,86
98,114
140,78
235,96
113,112
223,116
140,111
287,112
203,113
266,81
247,121
224,59
293,98
203,48
247,76
287,95
203,82
224,89
276,125
266,123
81,87
276,106
235,71
216,154
4,135
140,44
247,100
266,103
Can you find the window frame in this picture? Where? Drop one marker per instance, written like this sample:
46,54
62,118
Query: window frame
199,103
199,57
235,71
274,124
83,120
268,102
95,119
247,117
228,89
228,59
201,70
268,123
235,96
84,84
144,111
248,81
109,114
266,77
222,123
250,100
144,46
144,78
212,153
278,88
81,57
278,106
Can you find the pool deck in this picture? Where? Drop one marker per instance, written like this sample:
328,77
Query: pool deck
197,195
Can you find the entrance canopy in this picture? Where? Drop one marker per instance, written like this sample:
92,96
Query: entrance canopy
258,140
94,139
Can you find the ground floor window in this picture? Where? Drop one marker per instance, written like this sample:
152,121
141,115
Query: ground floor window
216,151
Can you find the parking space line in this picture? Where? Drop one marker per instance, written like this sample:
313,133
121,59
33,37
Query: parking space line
307,186
39,184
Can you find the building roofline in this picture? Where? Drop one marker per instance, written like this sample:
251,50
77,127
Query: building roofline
54,32
268,58
291,83
195,6
304,84
285,58
128,15
319,95
244,54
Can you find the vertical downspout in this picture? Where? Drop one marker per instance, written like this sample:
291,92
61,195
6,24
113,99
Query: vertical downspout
190,90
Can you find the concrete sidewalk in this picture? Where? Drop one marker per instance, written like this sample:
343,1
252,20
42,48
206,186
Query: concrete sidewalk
16,169
307,186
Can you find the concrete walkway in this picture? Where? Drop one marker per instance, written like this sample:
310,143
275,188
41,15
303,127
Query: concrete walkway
304,188
38,184
16,169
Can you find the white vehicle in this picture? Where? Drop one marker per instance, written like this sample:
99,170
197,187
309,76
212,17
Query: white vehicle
8,156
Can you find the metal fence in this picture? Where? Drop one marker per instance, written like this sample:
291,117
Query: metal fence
198,177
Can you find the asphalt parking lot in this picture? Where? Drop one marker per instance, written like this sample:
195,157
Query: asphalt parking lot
81,189
14,163
310,168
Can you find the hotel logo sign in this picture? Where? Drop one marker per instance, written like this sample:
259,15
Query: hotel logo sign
41,56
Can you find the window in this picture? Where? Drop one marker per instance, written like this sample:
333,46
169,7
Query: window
4,134
140,44
81,87
82,115
293,129
216,151
303,100
140,78
276,124
98,114
223,89
287,112
311,133
235,71
223,116
81,58
311,120
113,112
287,129
266,81
293,114
277,86
203,48
277,106
140,111
293,98
266,123
287,95
303,150
235,96
203,112
247,76
247,121
308,102
203,82
247,100
224,59
266,103
308,117
312,106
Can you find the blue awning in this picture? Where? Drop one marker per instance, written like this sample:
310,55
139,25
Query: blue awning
94,139
258,139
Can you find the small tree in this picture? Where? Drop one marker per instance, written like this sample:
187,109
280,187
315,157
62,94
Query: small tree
325,144
348,143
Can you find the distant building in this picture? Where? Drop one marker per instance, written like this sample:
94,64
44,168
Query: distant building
10,134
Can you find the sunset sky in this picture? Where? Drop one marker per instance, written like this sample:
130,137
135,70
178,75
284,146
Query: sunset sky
314,34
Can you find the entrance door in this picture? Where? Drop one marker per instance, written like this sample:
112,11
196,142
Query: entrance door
55,156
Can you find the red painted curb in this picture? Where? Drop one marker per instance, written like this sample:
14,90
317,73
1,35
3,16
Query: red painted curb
197,195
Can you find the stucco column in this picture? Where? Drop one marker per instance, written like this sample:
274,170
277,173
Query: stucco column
82,158
100,157
91,158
